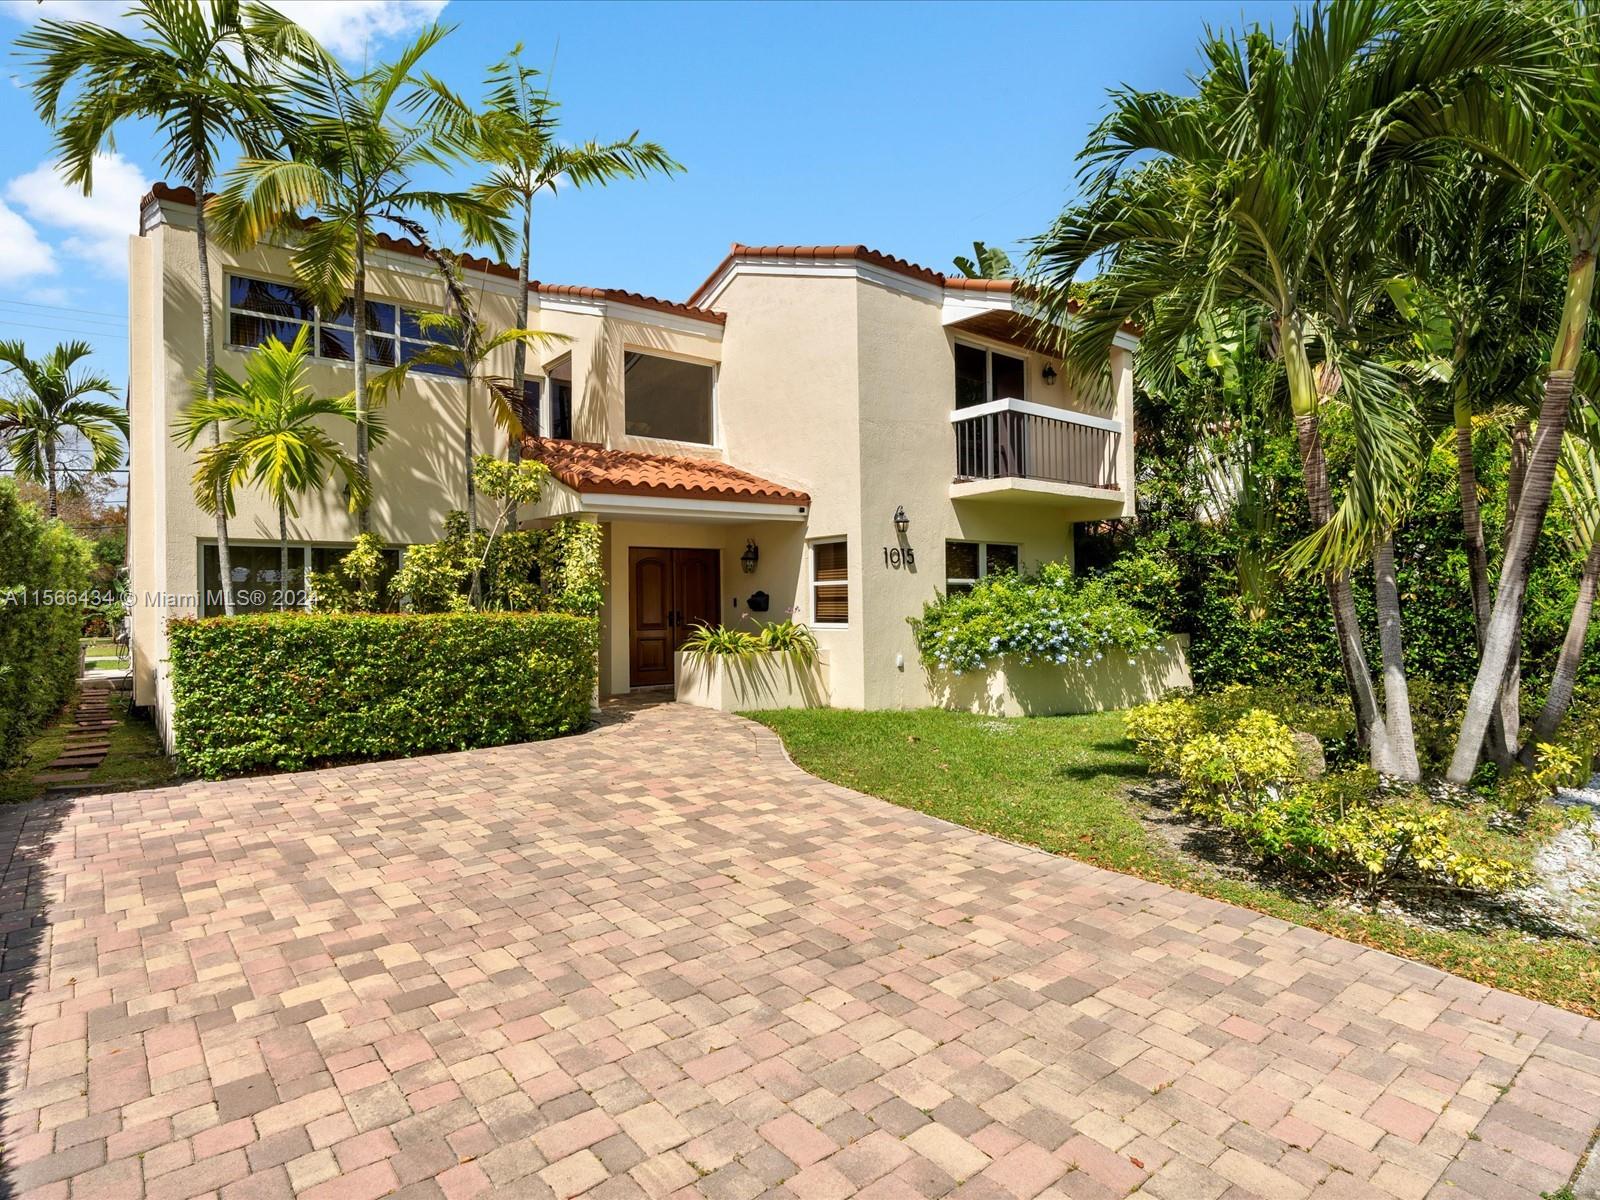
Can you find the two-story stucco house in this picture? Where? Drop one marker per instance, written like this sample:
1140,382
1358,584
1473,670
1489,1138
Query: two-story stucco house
837,432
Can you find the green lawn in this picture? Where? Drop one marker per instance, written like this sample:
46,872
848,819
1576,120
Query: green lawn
134,760
1059,783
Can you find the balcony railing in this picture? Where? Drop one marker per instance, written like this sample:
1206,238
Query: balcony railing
1012,439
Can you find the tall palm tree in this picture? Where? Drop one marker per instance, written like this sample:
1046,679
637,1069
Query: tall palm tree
192,70
275,438
54,406
1265,188
1553,149
350,164
517,135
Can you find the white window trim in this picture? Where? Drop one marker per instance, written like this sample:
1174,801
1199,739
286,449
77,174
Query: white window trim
812,548
989,352
983,560
314,325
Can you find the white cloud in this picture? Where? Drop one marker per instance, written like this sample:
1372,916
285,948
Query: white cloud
26,254
94,228
102,12
350,26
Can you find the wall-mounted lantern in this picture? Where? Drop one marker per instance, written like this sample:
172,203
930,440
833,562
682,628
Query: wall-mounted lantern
750,557
901,521
1049,375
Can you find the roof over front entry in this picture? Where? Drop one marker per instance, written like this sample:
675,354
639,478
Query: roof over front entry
590,469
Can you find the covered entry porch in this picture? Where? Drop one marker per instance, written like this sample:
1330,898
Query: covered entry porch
686,542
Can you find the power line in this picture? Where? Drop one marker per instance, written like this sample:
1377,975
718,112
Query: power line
67,308
59,332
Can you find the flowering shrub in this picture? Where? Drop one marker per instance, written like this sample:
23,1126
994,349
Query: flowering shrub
1242,772
1049,617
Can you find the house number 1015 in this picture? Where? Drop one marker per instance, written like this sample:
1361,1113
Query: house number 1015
897,557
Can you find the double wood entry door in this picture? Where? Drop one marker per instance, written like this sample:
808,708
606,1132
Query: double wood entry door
671,592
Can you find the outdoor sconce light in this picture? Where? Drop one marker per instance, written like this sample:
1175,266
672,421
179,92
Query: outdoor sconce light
1049,375
901,521
750,557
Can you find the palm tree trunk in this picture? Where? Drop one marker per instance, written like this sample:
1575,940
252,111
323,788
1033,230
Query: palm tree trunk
1303,398
1505,621
1396,691
283,556
1471,515
50,474
1566,672
1502,744
358,324
1508,715
519,351
208,356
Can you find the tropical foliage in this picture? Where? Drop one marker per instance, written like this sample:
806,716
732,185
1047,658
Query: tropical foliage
1051,616
44,575
1351,250
50,410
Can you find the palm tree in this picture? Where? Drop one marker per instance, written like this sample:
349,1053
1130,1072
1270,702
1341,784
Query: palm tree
987,262
516,134
192,72
1266,188
350,165
1553,149
274,438
54,407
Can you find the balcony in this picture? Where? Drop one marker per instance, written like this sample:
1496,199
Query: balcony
1013,450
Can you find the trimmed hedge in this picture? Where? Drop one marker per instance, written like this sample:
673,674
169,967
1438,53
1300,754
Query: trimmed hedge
44,584
284,690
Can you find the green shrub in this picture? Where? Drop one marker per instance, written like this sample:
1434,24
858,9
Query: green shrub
44,585
1162,729
1051,616
790,637
718,641
284,690
1241,771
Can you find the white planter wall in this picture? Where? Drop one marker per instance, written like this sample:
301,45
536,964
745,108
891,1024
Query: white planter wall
764,680
1120,680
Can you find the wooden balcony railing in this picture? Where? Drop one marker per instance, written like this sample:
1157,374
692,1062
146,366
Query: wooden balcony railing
1012,439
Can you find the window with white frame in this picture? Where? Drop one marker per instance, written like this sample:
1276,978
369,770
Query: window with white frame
967,562
830,583
983,375
257,581
260,309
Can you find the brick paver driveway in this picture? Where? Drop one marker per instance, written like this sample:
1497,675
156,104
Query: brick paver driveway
658,958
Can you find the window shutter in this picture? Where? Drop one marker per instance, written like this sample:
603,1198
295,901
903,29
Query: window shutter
831,588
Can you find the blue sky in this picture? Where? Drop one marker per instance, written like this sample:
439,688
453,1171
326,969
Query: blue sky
911,128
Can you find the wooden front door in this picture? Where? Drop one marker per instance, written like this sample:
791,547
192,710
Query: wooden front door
672,591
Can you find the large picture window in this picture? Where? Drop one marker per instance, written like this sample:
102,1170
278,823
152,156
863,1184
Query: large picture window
667,398
967,562
830,583
259,309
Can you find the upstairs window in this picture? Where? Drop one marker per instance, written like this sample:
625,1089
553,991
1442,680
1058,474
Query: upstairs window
830,583
984,375
259,309
667,398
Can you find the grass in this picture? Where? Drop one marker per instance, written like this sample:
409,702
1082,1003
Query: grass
135,758
1060,783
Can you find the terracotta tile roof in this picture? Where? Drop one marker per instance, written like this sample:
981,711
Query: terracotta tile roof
864,254
184,195
593,470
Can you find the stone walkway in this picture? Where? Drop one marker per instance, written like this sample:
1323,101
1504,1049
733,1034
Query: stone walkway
659,959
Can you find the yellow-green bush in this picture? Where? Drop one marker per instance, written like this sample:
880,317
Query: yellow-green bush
1245,775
